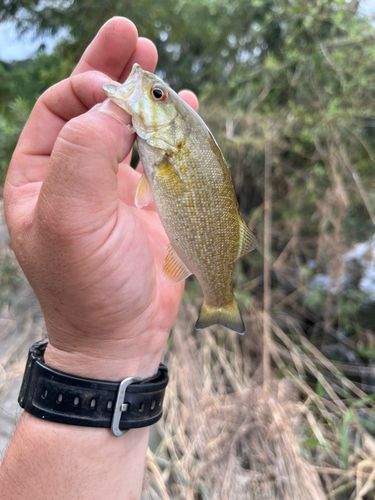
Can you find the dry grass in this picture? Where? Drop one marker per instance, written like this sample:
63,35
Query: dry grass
223,436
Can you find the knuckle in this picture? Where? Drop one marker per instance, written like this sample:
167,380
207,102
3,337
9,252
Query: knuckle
78,134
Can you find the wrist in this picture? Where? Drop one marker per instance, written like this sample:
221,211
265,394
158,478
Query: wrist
104,364
83,462
58,397
106,352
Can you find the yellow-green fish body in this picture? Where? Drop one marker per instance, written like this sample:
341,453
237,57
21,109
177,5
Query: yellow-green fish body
186,173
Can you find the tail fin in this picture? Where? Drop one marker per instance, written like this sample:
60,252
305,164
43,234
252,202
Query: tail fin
228,316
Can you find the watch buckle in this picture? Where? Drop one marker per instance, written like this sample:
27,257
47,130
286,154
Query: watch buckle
121,406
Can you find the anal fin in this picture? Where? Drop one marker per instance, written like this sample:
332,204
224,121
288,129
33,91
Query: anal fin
248,241
143,193
174,270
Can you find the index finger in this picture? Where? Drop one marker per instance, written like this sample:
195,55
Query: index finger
63,102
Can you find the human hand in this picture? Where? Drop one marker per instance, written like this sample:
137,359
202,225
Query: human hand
92,258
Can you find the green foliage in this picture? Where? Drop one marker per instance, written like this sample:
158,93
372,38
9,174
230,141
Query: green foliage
11,124
320,389
244,299
315,298
345,437
346,313
9,277
21,83
310,443
296,76
192,289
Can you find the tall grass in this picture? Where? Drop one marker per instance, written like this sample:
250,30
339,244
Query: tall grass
223,435
307,434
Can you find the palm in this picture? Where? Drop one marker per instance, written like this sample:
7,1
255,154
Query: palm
132,256
90,255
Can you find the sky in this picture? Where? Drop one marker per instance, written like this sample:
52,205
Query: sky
367,6
15,47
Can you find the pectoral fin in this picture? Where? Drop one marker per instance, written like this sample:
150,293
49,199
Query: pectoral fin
143,194
174,270
248,241
169,178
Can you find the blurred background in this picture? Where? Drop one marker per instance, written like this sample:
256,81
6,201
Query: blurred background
288,89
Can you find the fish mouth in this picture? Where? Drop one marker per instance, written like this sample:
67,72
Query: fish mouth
125,94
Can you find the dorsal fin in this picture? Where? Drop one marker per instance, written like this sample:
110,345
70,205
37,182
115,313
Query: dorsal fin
174,270
248,241
143,193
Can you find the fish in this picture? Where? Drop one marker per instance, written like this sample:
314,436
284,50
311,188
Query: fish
185,174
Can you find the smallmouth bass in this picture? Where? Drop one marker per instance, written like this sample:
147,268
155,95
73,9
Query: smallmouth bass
186,175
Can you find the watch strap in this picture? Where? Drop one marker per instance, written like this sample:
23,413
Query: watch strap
58,397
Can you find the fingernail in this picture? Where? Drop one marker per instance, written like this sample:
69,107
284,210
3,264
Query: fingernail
108,107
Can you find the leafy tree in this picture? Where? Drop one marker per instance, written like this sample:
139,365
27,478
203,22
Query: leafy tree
286,86
291,77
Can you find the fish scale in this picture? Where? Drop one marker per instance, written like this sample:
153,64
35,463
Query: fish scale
211,229
190,183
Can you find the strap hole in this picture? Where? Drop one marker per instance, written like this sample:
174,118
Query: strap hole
141,406
153,404
92,403
44,395
59,398
76,401
109,405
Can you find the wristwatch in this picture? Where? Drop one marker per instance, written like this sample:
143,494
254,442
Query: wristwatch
59,397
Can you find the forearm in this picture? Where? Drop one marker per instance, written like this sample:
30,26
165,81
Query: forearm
94,263
48,460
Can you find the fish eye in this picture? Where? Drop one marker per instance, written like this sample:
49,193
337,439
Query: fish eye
159,94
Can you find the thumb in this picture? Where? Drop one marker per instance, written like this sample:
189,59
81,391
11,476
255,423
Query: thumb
79,192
